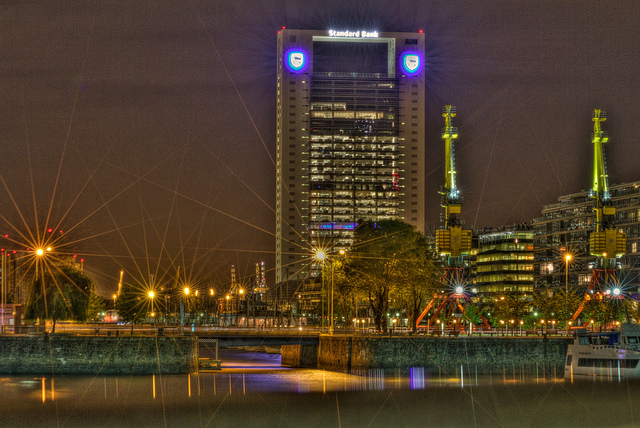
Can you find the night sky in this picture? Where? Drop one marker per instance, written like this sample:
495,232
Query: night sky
146,130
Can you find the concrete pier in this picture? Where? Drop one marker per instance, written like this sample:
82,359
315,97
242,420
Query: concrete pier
483,355
62,354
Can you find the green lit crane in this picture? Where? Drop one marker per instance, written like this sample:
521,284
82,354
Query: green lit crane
605,242
452,242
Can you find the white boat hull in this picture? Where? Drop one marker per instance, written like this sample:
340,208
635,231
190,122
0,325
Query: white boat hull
610,355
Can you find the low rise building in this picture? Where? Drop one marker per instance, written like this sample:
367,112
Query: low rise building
504,261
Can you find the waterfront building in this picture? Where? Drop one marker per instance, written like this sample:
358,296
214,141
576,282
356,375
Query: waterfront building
504,261
564,228
350,139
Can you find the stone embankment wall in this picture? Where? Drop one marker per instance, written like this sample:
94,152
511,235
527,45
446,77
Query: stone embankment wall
299,355
59,354
439,355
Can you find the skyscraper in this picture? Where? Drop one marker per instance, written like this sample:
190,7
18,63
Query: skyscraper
350,138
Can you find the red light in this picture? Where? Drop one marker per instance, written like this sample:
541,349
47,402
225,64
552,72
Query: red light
14,251
49,230
74,256
278,31
420,31
6,236
60,231
283,27
82,260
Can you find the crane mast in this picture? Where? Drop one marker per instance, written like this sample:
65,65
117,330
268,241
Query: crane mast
451,240
605,242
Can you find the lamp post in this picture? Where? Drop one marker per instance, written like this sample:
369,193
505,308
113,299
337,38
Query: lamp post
153,315
185,292
211,302
2,293
240,293
320,255
567,259
226,310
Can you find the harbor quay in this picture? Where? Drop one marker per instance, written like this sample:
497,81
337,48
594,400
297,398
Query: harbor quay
437,355
51,354
91,355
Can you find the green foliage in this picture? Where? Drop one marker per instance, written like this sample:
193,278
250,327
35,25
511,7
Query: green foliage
389,259
510,306
132,303
96,305
472,314
62,293
605,310
545,304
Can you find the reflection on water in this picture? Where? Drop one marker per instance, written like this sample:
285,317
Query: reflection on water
247,373
253,390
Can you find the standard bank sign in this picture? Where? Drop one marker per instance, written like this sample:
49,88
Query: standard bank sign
296,60
411,63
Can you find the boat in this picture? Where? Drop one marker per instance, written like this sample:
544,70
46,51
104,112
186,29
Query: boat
611,354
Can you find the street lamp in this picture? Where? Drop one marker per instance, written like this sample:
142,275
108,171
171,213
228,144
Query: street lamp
320,255
153,315
209,306
240,293
567,259
185,292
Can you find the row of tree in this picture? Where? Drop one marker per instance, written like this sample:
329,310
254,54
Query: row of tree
391,267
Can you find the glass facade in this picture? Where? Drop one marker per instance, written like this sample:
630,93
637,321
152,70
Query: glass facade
353,155
505,261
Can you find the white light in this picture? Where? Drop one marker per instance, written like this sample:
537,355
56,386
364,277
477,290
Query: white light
459,290
616,291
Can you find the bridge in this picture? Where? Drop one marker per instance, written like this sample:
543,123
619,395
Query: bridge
233,339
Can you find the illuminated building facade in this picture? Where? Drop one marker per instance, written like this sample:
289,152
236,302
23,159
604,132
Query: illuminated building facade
350,138
565,227
505,261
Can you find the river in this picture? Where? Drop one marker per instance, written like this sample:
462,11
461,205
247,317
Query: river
252,390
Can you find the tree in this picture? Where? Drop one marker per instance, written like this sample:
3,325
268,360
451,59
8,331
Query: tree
96,305
544,301
62,293
419,277
132,304
387,257
604,310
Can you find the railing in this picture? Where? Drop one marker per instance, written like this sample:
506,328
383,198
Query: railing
113,330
